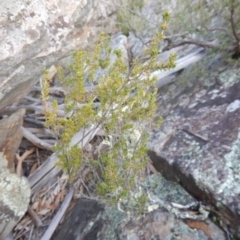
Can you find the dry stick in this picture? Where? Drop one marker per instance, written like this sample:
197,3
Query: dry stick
180,64
36,219
21,159
61,91
35,100
35,140
152,168
41,132
191,41
57,218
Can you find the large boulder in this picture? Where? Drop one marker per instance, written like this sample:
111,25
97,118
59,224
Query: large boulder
36,34
198,143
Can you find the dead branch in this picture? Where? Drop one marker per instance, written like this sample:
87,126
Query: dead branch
164,78
36,219
41,132
59,91
32,99
35,140
21,159
189,41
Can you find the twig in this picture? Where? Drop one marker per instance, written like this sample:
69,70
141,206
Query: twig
32,99
43,132
61,92
180,64
31,232
35,140
57,218
36,219
21,159
35,121
190,41
152,168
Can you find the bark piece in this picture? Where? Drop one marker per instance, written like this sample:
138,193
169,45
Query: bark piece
198,143
11,136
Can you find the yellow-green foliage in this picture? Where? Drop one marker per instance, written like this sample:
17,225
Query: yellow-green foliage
127,103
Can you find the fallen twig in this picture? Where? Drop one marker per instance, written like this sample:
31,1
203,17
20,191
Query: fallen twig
191,41
36,219
35,140
21,159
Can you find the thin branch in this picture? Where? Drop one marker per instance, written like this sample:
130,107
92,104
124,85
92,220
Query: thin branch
217,29
35,140
176,35
36,219
20,160
191,41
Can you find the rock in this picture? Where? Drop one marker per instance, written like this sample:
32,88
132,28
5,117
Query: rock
161,224
89,220
14,198
198,143
35,35
83,216
11,137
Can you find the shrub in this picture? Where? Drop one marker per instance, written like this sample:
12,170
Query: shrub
122,104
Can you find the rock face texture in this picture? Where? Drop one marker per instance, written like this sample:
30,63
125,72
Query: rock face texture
199,141
36,34
89,220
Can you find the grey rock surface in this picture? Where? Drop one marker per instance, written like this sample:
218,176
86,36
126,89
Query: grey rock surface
34,35
160,224
89,220
198,143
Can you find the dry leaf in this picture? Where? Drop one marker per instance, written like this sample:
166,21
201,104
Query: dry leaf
199,225
34,167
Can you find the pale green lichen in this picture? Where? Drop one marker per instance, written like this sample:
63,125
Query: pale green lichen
231,186
14,198
3,163
229,77
14,194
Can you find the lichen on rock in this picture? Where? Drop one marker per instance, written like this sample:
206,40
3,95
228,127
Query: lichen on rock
14,198
201,150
